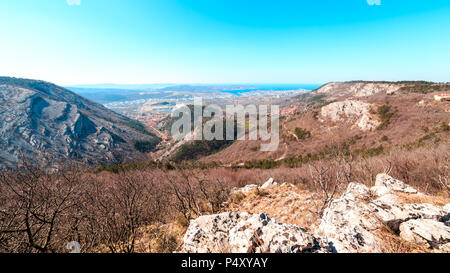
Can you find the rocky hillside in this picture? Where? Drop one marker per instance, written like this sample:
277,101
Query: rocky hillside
361,89
362,116
389,217
358,89
43,121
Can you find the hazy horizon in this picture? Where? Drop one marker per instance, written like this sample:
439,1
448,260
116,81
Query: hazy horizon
157,85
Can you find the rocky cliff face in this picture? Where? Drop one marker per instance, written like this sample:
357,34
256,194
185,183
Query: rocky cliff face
42,121
359,221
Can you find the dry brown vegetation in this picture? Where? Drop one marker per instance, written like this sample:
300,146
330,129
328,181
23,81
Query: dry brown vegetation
105,212
149,209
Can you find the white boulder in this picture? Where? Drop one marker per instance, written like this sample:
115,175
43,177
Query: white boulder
426,231
425,211
245,190
269,183
393,184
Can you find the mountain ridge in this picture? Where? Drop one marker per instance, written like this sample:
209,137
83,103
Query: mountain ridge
42,120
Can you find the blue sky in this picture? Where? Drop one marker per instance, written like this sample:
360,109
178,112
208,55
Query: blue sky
224,41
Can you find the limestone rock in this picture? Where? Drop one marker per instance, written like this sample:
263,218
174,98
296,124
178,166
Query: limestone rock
245,190
444,248
348,223
351,110
446,208
270,183
425,211
356,190
379,190
248,233
208,234
426,231
367,123
393,184
388,198
388,211
446,218
249,188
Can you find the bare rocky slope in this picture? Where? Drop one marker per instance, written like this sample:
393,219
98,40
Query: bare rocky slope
359,89
362,220
43,121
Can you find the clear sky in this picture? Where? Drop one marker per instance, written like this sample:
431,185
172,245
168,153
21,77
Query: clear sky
224,41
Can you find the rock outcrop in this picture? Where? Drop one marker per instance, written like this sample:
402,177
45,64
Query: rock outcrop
392,184
249,188
356,112
425,231
349,222
269,183
355,222
248,233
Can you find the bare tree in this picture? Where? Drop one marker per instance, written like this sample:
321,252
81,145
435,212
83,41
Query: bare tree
323,182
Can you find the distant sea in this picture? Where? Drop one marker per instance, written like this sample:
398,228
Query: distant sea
275,87
116,93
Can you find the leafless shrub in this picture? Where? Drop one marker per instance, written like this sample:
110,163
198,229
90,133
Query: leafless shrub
186,198
215,191
123,205
327,179
35,209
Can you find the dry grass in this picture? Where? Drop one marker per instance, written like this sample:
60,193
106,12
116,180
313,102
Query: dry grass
286,204
392,243
160,238
439,200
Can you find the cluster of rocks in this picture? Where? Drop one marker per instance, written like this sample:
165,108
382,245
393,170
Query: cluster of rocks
248,233
352,223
